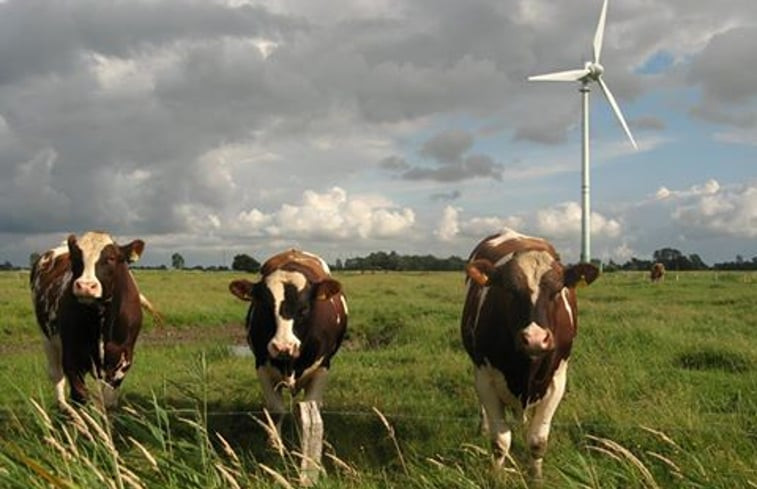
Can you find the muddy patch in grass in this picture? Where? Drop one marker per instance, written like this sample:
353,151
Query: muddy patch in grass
711,359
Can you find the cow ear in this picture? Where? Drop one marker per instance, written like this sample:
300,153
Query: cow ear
133,250
242,289
73,244
326,289
481,271
584,273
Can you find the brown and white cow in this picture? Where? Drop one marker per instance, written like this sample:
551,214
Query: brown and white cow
295,324
519,320
89,309
657,272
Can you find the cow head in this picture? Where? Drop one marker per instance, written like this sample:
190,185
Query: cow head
286,299
95,260
536,292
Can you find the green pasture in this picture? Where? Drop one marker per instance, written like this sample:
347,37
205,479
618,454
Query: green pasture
662,392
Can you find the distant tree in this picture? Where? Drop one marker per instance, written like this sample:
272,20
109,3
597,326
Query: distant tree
6,265
245,263
338,265
33,258
673,259
697,263
177,261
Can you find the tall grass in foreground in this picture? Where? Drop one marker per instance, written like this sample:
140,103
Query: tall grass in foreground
154,447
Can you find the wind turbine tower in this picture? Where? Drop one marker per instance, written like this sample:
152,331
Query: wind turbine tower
591,72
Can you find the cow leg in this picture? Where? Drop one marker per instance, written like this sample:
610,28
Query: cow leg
78,387
538,428
494,410
55,368
316,385
274,403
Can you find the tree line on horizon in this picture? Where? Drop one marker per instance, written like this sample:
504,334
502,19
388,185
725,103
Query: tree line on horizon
671,258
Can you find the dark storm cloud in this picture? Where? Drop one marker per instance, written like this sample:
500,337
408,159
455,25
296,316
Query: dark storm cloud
446,196
40,37
728,85
446,152
449,146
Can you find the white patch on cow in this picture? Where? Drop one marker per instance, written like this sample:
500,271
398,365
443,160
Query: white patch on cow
101,350
534,264
494,395
91,245
53,351
275,282
269,378
496,380
120,371
506,235
541,414
506,258
564,294
482,298
344,305
48,258
324,265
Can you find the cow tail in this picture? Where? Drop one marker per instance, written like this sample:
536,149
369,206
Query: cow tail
157,318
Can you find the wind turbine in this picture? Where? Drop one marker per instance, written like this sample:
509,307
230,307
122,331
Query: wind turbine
591,72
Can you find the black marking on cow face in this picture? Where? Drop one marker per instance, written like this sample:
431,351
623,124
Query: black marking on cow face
296,304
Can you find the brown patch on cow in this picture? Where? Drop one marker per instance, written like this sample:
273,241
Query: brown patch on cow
296,261
493,253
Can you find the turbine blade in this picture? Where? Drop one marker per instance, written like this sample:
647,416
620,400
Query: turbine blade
616,108
569,75
600,34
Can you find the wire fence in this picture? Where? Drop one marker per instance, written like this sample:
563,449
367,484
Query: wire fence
473,420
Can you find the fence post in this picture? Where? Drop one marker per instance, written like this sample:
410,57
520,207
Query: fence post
309,419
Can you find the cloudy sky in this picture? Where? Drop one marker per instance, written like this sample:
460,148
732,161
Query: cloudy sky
213,128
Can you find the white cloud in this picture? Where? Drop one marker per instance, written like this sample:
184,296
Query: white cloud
716,210
448,225
331,215
565,219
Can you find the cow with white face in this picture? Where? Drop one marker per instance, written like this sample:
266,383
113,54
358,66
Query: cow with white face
518,323
88,307
295,324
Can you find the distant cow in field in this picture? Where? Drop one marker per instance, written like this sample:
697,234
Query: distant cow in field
519,320
88,306
295,324
657,272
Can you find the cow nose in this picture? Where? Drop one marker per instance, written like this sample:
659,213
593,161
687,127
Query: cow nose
536,339
284,349
87,288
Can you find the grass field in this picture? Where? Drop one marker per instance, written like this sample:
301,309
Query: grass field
662,392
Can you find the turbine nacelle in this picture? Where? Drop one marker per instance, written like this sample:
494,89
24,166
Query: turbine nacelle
594,70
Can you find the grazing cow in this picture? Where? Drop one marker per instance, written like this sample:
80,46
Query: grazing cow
295,324
657,272
88,306
518,325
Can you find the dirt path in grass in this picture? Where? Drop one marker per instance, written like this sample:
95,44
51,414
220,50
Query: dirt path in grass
232,334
